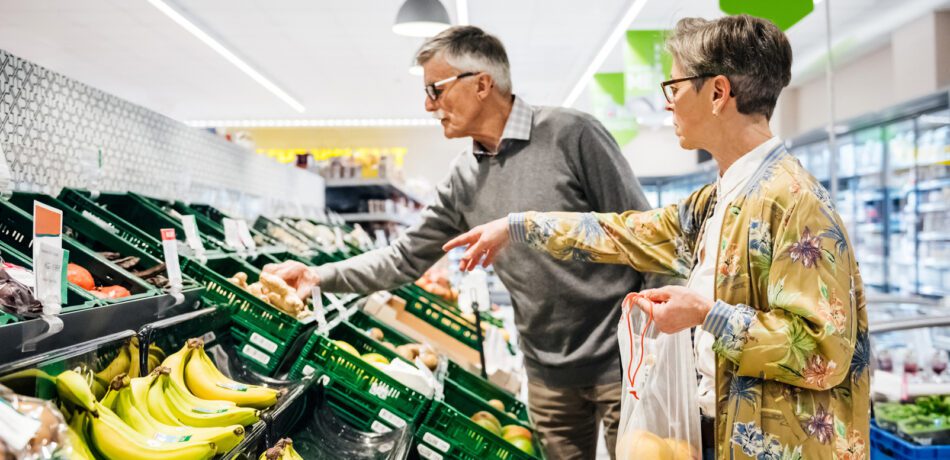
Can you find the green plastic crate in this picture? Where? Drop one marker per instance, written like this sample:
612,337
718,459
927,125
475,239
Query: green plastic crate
412,289
360,409
82,202
365,322
439,316
76,297
448,429
16,230
321,354
486,391
143,213
216,217
95,236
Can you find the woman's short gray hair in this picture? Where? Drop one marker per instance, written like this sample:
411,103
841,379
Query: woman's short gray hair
753,53
470,49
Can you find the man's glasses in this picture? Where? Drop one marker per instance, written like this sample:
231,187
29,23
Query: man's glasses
433,90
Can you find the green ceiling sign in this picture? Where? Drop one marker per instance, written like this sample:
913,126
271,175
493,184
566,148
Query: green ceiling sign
607,104
646,62
784,13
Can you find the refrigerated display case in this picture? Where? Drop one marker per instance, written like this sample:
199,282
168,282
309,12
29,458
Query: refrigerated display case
893,192
666,190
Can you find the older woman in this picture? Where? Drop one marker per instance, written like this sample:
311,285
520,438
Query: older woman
772,279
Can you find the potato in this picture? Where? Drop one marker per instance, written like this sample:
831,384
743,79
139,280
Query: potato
376,333
431,360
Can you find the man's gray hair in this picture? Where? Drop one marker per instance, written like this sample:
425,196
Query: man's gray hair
470,49
753,53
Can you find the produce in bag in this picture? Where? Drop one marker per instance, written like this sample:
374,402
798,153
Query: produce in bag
16,297
659,412
30,428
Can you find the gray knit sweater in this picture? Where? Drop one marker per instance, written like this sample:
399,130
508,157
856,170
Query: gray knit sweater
566,312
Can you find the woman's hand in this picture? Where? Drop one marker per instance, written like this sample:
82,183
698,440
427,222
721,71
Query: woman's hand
484,242
674,307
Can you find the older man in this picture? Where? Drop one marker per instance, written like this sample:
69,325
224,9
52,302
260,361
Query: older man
522,157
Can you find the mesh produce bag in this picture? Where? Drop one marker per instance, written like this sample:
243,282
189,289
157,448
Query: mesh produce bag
659,417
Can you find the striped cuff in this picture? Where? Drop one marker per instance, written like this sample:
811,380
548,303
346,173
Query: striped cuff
717,320
516,227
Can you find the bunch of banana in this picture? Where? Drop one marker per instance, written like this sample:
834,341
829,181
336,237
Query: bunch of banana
283,450
127,361
79,447
131,405
171,404
206,381
114,439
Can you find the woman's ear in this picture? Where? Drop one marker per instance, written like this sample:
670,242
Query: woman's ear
722,89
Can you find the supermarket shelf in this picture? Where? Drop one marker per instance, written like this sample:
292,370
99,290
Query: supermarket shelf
933,207
934,236
933,291
91,323
378,217
379,187
933,184
936,264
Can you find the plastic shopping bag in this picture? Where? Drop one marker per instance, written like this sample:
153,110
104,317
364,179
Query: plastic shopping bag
659,417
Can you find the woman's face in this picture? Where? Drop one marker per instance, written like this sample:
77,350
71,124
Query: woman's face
692,110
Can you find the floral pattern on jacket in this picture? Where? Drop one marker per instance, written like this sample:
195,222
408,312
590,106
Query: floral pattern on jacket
790,321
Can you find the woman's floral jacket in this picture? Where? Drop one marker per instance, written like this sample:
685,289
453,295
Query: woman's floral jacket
790,321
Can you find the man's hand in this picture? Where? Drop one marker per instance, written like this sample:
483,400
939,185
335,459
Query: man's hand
484,242
297,275
674,307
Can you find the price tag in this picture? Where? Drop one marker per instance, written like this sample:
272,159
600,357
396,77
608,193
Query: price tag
436,442
318,308
170,247
191,233
231,236
428,453
244,233
48,264
6,177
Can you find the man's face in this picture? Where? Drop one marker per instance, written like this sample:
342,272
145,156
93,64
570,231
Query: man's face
458,104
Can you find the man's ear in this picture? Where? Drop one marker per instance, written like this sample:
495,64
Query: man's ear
485,83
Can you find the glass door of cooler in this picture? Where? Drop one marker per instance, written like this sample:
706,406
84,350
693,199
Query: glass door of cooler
861,188
932,194
901,219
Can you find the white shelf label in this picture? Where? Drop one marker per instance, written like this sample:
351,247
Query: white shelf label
191,233
48,254
436,442
427,453
170,249
244,233
256,354
260,341
391,418
379,427
231,236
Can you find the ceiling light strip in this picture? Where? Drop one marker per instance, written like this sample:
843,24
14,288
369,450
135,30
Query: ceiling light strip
226,53
635,8
316,123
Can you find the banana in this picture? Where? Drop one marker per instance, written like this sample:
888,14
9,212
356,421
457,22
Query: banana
73,388
157,351
115,440
136,414
120,364
79,448
204,380
27,377
98,390
135,362
153,362
163,394
283,450
109,398
175,364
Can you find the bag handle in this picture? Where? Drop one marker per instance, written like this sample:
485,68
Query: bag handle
629,303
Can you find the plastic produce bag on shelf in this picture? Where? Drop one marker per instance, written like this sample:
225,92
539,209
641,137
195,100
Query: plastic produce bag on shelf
659,416
31,428
16,293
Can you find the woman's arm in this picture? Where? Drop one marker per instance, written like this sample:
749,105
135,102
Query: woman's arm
658,241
